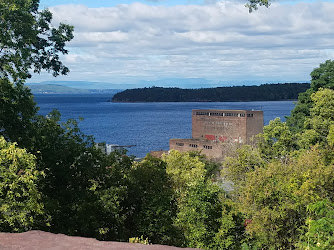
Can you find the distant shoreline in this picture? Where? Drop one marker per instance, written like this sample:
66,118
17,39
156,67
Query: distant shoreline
53,89
207,101
266,92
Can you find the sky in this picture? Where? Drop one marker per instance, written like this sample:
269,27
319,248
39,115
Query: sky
118,41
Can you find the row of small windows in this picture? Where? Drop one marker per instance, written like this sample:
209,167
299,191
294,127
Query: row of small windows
180,144
222,114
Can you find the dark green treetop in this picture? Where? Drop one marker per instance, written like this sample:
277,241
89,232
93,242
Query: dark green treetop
254,4
321,77
29,41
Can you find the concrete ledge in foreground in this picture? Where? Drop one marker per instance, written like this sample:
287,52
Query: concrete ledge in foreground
39,240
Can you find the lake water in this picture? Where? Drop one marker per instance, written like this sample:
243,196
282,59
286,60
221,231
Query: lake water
149,126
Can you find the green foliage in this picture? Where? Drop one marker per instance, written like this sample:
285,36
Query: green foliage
17,109
84,191
204,215
301,110
330,136
322,114
320,226
60,182
275,198
152,202
284,187
111,190
184,170
231,233
254,4
321,77
72,167
277,140
140,240
20,200
199,213
317,126
211,167
28,40
246,160
265,92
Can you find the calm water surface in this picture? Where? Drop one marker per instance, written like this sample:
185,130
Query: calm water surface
149,126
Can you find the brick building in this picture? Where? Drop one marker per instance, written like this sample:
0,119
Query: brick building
213,131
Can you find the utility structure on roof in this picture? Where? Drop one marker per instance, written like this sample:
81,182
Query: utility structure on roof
214,131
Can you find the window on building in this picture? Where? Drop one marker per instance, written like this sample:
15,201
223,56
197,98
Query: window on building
216,114
193,145
207,147
179,144
202,113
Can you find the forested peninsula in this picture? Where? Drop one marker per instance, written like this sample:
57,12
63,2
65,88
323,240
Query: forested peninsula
265,92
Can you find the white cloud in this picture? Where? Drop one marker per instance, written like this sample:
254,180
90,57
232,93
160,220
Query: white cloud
219,40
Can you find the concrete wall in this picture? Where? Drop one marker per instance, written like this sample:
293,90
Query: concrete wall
226,125
210,148
254,124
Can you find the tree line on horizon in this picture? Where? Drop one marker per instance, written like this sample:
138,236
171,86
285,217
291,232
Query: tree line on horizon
264,92
53,178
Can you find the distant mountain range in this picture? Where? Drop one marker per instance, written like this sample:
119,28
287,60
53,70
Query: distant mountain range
60,89
169,82
189,83
80,85
86,87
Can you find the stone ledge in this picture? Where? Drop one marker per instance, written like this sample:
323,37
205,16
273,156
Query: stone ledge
39,240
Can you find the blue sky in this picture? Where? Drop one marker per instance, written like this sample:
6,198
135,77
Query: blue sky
120,41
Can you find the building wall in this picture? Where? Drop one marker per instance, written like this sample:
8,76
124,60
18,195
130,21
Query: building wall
226,125
210,148
214,132
254,124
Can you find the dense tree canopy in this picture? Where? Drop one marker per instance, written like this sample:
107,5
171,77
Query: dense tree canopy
284,186
20,199
17,110
321,77
28,41
52,177
265,92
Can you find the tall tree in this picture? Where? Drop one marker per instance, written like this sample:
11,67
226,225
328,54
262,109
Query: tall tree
29,42
151,202
321,77
20,200
321,116
17,111
275,198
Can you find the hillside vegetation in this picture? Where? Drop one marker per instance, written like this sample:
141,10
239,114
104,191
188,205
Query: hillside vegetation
53,178
266,92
